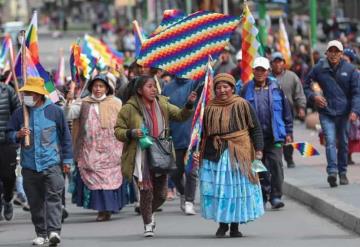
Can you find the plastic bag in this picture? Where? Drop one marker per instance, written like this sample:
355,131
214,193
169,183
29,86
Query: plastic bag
145,141
258,166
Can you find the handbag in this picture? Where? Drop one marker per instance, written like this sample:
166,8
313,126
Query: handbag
160,155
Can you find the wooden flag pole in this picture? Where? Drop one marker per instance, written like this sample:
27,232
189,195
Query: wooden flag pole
24,77
137,29
13,74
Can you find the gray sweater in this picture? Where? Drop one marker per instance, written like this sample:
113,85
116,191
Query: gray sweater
293,89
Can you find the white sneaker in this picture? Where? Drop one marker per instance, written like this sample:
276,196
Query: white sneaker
153,223
54,238
189,208
149,230
40,241
182,203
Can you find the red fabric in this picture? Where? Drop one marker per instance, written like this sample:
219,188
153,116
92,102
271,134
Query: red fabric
354,146
155,127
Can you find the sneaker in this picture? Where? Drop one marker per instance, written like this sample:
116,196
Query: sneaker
189,208
276,203
343,179
8,211
26,207
17,201
182,203
54,239
332,180
149,230
40,241
153,223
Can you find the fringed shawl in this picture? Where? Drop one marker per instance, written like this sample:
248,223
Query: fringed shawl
227,123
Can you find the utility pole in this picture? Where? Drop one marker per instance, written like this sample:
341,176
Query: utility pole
313,22
262,22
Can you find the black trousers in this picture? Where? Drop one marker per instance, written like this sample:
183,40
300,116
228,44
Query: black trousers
187,187
272,180
288,153
7,171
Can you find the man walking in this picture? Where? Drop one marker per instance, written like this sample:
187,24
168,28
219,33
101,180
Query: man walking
9,102
43,162
294,92
338,101
178,91
274,114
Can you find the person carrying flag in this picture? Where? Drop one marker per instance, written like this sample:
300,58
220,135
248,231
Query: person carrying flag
43,162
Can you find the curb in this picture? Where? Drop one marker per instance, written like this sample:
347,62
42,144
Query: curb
340,212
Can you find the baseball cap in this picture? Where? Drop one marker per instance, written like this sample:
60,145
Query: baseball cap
335,43
277,55
262,62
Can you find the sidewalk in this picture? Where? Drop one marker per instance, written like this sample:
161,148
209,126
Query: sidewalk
307,183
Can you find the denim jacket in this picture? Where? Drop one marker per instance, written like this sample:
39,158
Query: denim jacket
50,140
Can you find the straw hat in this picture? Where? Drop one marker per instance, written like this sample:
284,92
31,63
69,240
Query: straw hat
34,84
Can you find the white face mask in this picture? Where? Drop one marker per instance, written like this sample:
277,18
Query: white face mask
100,98
29,101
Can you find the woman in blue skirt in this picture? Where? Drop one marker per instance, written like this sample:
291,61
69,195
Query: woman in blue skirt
230,191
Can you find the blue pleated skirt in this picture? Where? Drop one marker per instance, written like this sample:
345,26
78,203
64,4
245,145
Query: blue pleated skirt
226,195
100,200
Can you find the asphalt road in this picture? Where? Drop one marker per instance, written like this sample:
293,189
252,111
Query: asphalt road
295,225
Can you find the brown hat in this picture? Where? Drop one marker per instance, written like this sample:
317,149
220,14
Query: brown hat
224,77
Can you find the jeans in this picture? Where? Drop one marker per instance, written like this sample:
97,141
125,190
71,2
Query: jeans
336,133
187,188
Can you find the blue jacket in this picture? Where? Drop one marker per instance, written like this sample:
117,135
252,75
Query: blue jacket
50,139
341,88
281,116
178,91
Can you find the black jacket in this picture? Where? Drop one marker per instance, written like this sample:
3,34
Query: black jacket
9,102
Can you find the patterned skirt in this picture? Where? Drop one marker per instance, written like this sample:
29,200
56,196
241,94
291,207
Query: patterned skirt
226,195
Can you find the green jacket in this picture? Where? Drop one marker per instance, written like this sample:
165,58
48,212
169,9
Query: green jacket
130,117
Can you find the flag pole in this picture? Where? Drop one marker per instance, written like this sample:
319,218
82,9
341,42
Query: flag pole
24,75
137,29
12,68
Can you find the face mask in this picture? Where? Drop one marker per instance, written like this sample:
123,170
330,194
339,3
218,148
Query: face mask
98,99
29,101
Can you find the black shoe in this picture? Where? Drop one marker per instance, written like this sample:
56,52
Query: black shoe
221,231
137,210
276,203
332,180
343,179
351,162
234,231
65,214
8,211
291,164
